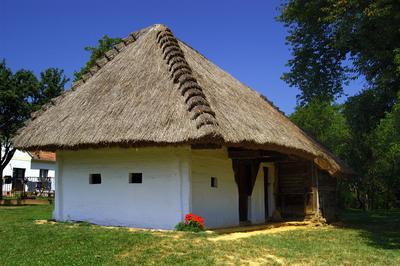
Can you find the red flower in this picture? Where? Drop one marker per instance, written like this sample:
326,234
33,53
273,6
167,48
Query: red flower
191,218
188,217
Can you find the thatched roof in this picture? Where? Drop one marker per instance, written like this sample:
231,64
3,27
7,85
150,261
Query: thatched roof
153,89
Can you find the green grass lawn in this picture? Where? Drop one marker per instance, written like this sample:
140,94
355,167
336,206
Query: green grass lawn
361,239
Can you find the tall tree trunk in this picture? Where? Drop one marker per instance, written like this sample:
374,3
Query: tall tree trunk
1,183
1,172
360,202
4,160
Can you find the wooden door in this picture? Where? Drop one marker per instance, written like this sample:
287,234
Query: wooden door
18,179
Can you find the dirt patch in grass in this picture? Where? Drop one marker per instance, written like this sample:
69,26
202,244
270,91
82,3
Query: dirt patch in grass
129,229
240,235
240,259
67,224
45,222
267,259
165,245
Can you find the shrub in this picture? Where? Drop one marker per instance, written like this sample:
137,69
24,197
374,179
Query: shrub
192,223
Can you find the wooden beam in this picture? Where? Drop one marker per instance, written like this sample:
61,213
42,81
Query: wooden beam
251,154
277,159
205,146
246,154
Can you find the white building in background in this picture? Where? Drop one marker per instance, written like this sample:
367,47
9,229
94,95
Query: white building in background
31,167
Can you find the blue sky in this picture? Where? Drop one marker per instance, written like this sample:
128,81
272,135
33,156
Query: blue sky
242,37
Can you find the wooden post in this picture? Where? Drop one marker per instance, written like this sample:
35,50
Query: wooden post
311,191
315,191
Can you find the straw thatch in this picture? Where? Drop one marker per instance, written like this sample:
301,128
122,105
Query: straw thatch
152,89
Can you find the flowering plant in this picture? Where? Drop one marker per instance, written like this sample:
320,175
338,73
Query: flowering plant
192,222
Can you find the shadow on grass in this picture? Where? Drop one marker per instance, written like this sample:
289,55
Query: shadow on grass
380,228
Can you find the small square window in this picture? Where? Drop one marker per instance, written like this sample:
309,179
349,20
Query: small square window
135,178
214,182
95,179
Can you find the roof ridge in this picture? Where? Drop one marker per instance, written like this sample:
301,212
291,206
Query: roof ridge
111,54
270,103
181,73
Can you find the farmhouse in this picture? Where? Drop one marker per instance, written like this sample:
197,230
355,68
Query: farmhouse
31,172
156,131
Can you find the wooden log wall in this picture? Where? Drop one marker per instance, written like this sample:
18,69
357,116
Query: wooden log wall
327,190
297,189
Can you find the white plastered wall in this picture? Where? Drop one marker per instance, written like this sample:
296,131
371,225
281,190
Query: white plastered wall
176,181
159,202
217,205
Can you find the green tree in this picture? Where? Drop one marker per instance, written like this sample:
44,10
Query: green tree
96,52
325,122
51,84
21,93
386,154
333,42
315,66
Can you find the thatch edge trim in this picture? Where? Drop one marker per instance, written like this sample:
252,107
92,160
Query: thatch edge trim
320,160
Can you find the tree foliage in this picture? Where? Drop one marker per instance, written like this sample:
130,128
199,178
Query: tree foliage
21,93
326,123
96,52
386,153
333,42
52,83
315,67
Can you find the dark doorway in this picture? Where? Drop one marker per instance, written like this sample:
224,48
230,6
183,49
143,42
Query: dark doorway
266,192
243,208
245,185
18,179
245,176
